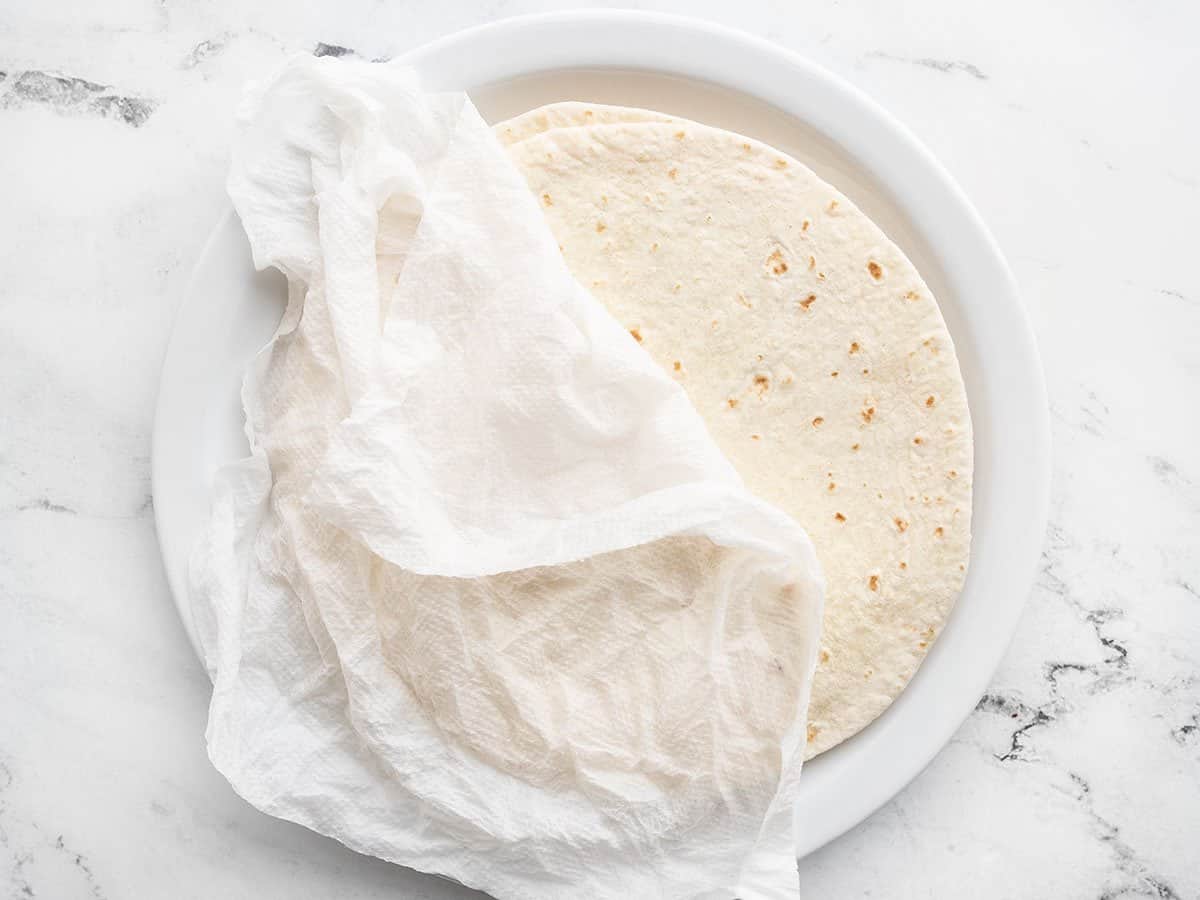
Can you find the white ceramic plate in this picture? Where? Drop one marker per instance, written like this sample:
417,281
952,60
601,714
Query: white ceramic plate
731,80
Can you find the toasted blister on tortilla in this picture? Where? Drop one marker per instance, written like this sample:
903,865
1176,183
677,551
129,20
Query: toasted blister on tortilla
809,344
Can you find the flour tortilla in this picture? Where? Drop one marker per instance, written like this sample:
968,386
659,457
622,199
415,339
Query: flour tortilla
570,115
809,344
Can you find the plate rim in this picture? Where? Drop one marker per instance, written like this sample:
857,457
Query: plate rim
579,40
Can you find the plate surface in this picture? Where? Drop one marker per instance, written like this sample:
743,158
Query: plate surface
734,81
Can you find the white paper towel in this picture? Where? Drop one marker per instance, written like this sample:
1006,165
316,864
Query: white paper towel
485,600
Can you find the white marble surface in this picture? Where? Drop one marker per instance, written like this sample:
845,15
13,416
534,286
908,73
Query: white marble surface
1074,128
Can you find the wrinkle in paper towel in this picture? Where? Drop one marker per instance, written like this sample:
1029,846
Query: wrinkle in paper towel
485,600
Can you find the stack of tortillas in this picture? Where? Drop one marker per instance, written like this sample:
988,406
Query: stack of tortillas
807,341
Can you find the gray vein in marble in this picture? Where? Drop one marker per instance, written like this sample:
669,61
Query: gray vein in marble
1015,709
1187,732
1140,880
323,49
1114,666
1084,142
1143,882
19,881
938,65
335,51
204,50
66,94
80,862
1167,472
1176,294
1094,410
45,504
1112,669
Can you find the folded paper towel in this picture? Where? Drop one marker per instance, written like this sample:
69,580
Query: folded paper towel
485,599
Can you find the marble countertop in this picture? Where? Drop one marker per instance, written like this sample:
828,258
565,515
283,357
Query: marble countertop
1073,128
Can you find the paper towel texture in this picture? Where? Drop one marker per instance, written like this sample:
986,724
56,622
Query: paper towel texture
485,599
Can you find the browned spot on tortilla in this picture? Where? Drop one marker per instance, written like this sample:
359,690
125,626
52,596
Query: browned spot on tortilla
672,174
833,205
832,487
824,656
808,301
732,401
901,525
678,365
680,135
756,437
741,298
654,247
812,732
866,371
839,517
776,263
922,644
918,440
952,474
812,263
938,532
546,200
833,374
763,383
637,335
873,582
903,564
912,295
875,269
804,226
600,227
746,147
854,348
855,446
868,414
818,421
929,401
781,163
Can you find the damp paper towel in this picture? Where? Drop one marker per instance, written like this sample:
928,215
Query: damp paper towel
485,599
